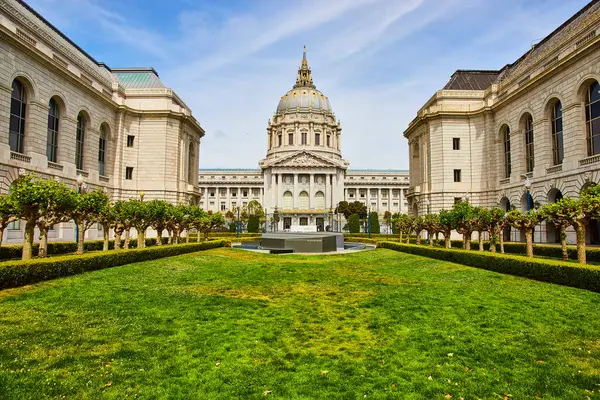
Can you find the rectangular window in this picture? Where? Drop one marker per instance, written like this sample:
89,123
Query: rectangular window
212,194
14,226
79,143
17,118
245,193
328,140
558,151
455,143
128,173
130,140
529,144
222,206
457,200
101,154
279,138
304,137
291,139
317,139
233,205
233,194
303,221
507,160
457,175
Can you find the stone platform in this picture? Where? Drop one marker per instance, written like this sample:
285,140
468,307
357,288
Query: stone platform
321,242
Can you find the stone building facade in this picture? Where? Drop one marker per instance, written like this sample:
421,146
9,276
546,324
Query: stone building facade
531,128
64,115
303,175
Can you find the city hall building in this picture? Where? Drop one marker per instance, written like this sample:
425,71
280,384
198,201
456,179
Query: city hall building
518,137
303,175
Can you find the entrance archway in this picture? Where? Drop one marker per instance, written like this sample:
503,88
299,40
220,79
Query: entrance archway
553,234
592,234
505,205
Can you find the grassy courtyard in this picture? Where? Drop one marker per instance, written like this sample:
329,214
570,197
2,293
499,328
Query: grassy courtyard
230,324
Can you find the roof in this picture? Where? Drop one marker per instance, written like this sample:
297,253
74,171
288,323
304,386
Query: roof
471,80
205,170
138,78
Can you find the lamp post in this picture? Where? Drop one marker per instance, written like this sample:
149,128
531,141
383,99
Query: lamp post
427,203
369,221
79,181
237,226
265,219
330,219
275,219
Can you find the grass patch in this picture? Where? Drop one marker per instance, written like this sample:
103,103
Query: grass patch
230,324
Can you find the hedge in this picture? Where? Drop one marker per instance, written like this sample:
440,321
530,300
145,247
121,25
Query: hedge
19,273
574,275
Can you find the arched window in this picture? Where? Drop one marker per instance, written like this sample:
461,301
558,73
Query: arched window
558,151
18,105
528,127
303,201
328,140
592,118
288,200
320,200
79,142
102,151
507,160
52,140
191,163
304,137
280,139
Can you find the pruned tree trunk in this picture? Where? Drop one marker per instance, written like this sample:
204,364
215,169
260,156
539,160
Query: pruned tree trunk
43,249
28,240
430,239
80,238
493,239
563,243
159,232
170,236
447,242
467,241
418,237
580,230
400,236
176,236
529,241
408,237
187,235
106,241
2,234
127,237
437,237
118,234
501,237
141,240
480,238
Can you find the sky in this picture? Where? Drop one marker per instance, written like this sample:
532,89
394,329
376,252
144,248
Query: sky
378,61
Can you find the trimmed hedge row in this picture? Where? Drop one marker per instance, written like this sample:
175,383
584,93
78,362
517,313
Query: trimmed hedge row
19,273
574,275
542,250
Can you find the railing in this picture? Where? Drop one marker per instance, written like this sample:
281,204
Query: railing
19,157
556,168
589,160
53,165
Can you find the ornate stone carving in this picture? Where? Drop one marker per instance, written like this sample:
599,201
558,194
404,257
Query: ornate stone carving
303,160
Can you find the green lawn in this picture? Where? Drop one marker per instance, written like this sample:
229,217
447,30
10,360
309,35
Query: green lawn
230,324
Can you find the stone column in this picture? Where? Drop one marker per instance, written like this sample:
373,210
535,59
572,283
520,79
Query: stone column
311,191
296,194
273,191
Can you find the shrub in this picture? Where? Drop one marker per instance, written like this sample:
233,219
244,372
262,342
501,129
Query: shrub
354,223
19,273
375,229
253,224
579,276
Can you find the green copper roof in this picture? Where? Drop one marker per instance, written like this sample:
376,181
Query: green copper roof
138,78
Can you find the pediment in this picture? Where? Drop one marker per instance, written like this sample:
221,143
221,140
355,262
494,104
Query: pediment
304,159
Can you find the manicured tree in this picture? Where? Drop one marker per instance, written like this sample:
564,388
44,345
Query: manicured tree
447,224
141,219
158,212
481,223
206,222
253,223
525,222
405,225
432,225
343,208
181,220
8,213
387,218
119,215
464,216
418,227
90,205
28,197
107,221
243,219
60,201
230,216
375,228
553,213
354,223
255,208
497,224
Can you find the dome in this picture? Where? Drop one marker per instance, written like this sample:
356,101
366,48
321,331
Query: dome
304,96
304,99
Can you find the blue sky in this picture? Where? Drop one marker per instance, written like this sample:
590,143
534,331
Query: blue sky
378,61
